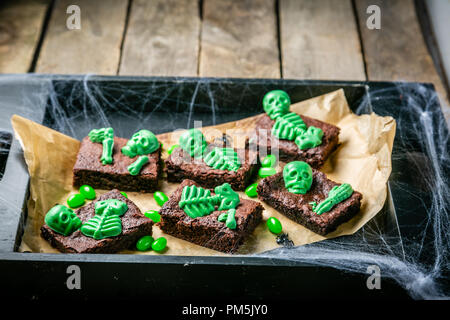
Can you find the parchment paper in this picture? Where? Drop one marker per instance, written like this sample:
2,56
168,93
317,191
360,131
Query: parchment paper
363,159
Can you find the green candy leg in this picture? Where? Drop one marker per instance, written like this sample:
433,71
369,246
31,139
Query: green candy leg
135,168
105,136
108,146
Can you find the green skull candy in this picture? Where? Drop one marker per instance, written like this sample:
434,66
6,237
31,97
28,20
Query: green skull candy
276,103
141,143
62,220
193,142
297,177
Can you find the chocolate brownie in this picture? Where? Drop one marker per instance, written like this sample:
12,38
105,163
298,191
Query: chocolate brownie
180,165
89,170
288,150
207,231
134,226
296,206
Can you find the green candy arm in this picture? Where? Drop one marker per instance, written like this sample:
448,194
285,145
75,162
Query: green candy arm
135,168
336,195
231,220
108,147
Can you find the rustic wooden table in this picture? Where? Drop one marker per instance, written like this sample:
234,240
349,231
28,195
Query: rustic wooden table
301,39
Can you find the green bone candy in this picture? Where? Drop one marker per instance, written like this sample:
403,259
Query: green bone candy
251,190
276,103
105,136
159,244
75,200
153,215
106,222
144,243
336,195
288,126
193,142
160,198
135,168
88,192
223,159
311,138
229,219
269,161
62,220
274,225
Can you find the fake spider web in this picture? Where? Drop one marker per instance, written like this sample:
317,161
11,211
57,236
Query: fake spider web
416,259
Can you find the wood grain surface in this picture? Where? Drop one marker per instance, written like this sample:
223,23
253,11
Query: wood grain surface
95,48
162,38
20,28
319,40
239,39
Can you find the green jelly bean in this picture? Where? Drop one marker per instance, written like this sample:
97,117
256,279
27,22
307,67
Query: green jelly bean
88,192
159,244
124,194
153,215
173,148
269,162
251,190
160,198
75,200
265,172
145,243
274,225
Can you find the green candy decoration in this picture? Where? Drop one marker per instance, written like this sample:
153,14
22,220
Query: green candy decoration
288,126
75,200
266,172
159,244
251,190
274,225
105,136
160,198
124,194
311,138
223,159
153,215
297,177
276,103
170,150
336,195
193,142
135,168
62,220
106,222
198,202
229,218
141,143
144,243
88,192
269,161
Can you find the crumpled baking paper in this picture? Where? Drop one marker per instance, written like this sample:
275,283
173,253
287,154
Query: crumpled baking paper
363,159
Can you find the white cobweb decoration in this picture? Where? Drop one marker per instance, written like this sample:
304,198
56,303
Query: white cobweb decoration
419,264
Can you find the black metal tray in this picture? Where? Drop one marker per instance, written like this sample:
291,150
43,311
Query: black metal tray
75,104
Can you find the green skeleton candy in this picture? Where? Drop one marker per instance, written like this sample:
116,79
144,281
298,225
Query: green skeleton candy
106,222
223,159
141,143
198,202
229,218
62,220
105,136
311,138
193,142
297,177
276,103
336,195
288,126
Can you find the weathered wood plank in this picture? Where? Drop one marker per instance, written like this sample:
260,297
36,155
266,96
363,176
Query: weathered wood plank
21,23
95,48
239,39
319,40
397,51
162,38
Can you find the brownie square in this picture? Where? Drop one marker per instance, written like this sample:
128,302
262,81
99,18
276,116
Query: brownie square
296,206
89,170
207,231
134,226
288,150
180,165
